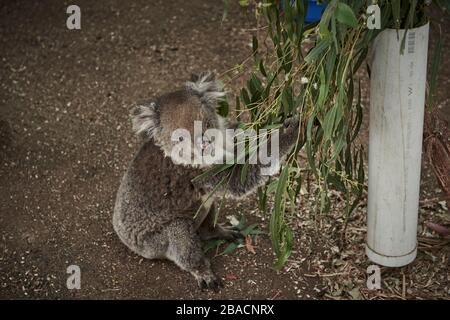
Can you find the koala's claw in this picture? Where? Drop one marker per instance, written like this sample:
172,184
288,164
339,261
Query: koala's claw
210,282
228,233
221,231
291,122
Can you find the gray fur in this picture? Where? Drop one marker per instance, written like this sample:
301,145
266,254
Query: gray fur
156,200
145,119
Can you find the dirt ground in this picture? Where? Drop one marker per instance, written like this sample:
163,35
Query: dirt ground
66,141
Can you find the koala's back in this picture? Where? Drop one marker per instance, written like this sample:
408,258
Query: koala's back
153,192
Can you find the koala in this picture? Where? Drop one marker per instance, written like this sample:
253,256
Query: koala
157,199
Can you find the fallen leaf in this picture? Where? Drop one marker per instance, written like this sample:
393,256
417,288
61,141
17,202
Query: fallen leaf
249,244
438,228
230,277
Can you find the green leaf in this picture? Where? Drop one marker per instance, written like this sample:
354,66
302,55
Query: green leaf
309,145
411,14
262,198
328,122
223,108
251,230
272,187
325,20
213,244
243,3
358,117
361,58
226,9
230,248
315,52
288,240
245,98
344,14
276,220
213,171
242,223
255,44
396,6
244,173
286,100
262,69
361,168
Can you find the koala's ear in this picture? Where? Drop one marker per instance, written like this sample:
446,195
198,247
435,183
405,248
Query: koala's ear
206,88
194,77
205,76
145,119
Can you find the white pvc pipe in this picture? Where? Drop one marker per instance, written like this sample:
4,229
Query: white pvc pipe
397,100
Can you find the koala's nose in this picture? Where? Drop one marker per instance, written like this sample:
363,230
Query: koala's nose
205,144
202,142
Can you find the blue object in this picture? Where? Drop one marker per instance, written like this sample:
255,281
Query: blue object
314,12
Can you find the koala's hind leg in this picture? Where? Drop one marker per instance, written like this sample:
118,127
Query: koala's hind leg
208,230
185,249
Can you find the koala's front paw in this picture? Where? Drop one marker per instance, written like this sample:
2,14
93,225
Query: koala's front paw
209,280
289,131
220,231
227,233
291,123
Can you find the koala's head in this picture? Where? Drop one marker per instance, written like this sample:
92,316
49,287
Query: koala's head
182,118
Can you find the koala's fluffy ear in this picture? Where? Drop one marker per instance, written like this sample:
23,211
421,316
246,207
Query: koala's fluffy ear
207,77
207,88
145,119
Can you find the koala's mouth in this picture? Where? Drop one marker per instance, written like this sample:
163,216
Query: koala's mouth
204,146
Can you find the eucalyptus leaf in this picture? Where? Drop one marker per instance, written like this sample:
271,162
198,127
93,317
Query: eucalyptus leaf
344,14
